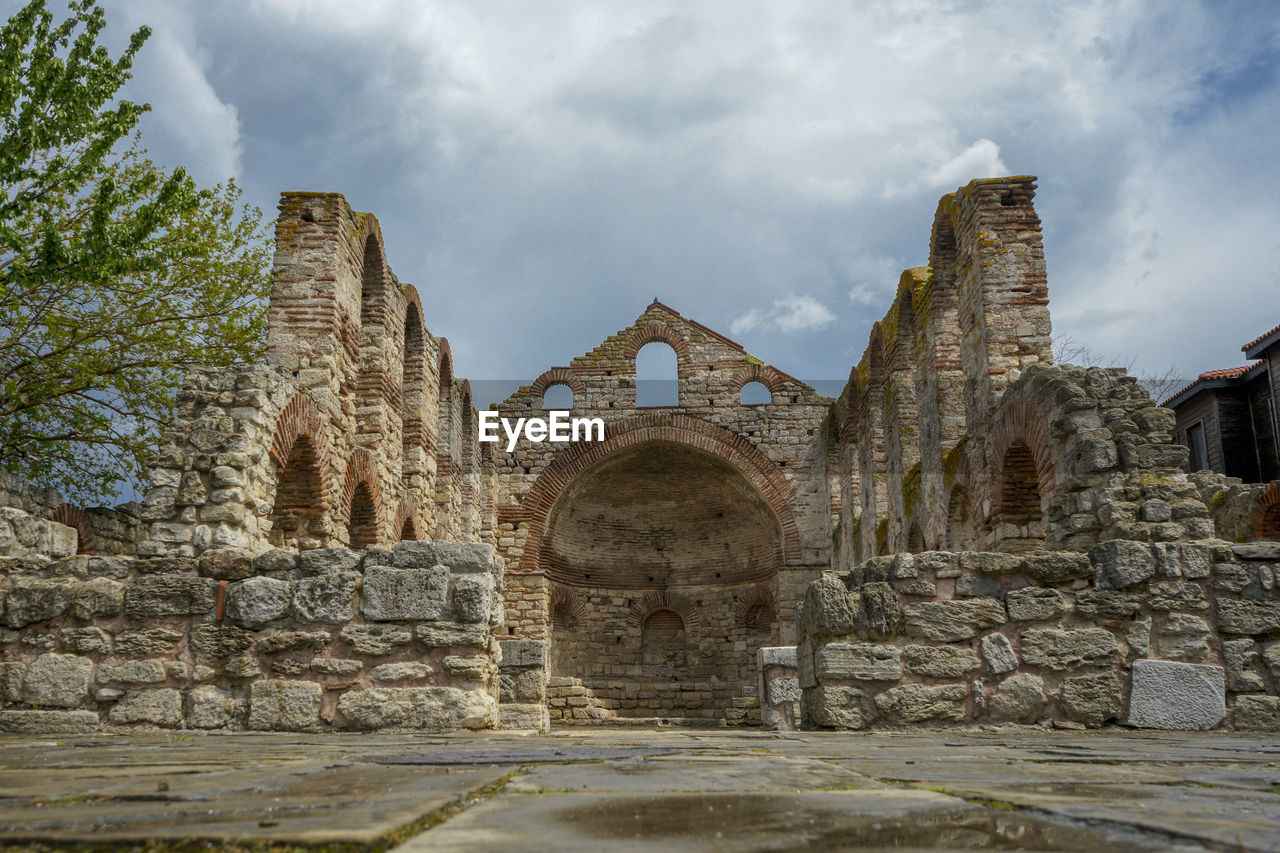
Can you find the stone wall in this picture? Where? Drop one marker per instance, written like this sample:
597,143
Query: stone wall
325,639
1158,635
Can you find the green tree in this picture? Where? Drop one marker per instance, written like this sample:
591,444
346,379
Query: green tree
116,276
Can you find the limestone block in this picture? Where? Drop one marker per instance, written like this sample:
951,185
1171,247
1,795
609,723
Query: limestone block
977,587
33,600
85,640
1092,699
861,661
783,690
828,609
110,567
1270,653
1019,699
1250,713
392,594
1035,603
225,563
48,722
1121,563
1247,617
259,600
470,667
878,614
1056,566
328,598
523,653
323,561
291,641
147,641
530,685
838,706
949,621
450,634
1138,635
1055,648
161,595
471,597
1107,604
212,641
1243,666
336,666
11,673
940,661
1179,696
242,667
430,708
210,707
276,705
97,597
1176,595
277,560
918,703
458,556
132,672
402,671
1181,636
158,707
999,654
375,639
773,656
522,716
288,666
1262,551
60,681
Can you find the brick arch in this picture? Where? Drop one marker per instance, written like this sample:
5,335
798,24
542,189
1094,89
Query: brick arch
652,602
1264,521
73,516
409,514
362,470
740,453
566,597
413,376
375,275
656,333
465,414
445,366
301,417
758,596
767,376
558,376
1016,422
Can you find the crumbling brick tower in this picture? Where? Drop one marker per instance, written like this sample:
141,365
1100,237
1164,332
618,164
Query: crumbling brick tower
355,432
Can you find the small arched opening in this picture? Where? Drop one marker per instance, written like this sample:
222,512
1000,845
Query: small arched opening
915,538
412,383
362,526
657,375
558,397
663,642
755,394
296,514
1266,513
1019,522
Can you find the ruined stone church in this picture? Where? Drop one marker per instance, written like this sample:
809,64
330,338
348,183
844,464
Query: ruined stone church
969,533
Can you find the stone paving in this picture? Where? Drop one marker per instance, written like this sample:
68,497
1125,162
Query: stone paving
666,789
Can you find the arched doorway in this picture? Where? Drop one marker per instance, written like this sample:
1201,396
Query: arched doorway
657,544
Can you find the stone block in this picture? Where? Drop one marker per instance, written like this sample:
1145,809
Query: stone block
919,703
469,667
838,706
97,597
1259,551
1107,604
225,563
530,685
163,595
1121,563
323,561
1253,713
292,641
48,722
1176,595
828,610
11,673
949,621
277,560
471,597
1055,648
132,672
1181,636
977,587
393,594
780,691
452,634
336,666
773,656
159,707
524,716
59,681
375,639
1248,617
147,641
1053,567
32,600
402,671
999,654
1243,666
1092,699
1035,604
257,601
328,598
214,641
859,661
276,705
1019,699
458,556
940,661
430,708
523,653
988,563
85,640
878,614
1179,696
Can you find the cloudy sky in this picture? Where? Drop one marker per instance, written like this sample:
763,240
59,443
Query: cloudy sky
542,170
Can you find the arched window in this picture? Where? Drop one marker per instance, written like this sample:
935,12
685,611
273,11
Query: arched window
559,397
755,394
1018,523
371,281
362,528
412,382
657,375
662,640
297,497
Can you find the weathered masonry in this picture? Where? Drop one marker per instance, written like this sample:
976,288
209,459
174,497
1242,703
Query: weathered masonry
968,533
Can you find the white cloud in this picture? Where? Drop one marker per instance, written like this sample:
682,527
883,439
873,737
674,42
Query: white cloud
789,315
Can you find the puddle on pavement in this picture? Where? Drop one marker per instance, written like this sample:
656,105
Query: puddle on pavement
744,823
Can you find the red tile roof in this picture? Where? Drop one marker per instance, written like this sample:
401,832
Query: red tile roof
1226,373
1259,339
